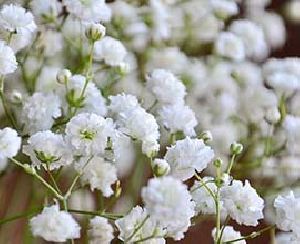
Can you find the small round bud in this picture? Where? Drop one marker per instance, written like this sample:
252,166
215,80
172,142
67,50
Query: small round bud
236,148
218,163
95,32
63,76
273,115
29,169
160,167
206,136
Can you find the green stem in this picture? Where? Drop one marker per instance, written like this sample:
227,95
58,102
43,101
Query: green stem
229,167
94,213
252,235
137,229
218,206
198,177
4,103
19,216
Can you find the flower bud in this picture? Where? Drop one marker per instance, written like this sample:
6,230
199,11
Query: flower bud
29,169
160,167
118,189
123,69
16,97
218,163
95,32
236,148
206,136
63,76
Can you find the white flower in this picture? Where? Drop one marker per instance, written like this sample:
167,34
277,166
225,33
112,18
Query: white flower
242,203
166,88
122,102
140,125
178,117
168,201
100,231
188,155
135,218
287,213
224,8
252,36
98,173
230,46
45,147
110,50
93,101
49,8
8,63
87,134
160,167
229,234
55,225
14,18
287,238
39,111
10,143
90,11
205,203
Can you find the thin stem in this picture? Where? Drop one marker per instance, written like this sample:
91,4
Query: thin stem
93,213
69,191
223,227
252,235
4,103
218,207
137,229
53,180
205,186
229,167
19,216
56,194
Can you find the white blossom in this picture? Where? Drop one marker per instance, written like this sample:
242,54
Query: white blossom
10,143
110,50
166,88
90,11
229,234
45,147
138,217
100,231
178,117
122,102
230,46
8,62
39,111
188,155
98,173
87,134
55,225
168,201
242,203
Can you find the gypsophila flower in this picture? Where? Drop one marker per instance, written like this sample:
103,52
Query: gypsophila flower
122,102
242,203
93,101
15,19
48,150
166,88
90,11
205,203
287,213
55,225
110,50
168,201
178,117
46,8
224,8
230,46
188,155
229,234
39,111
100,231
98,173
10,143
87,134
160,167
138,217
8,63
